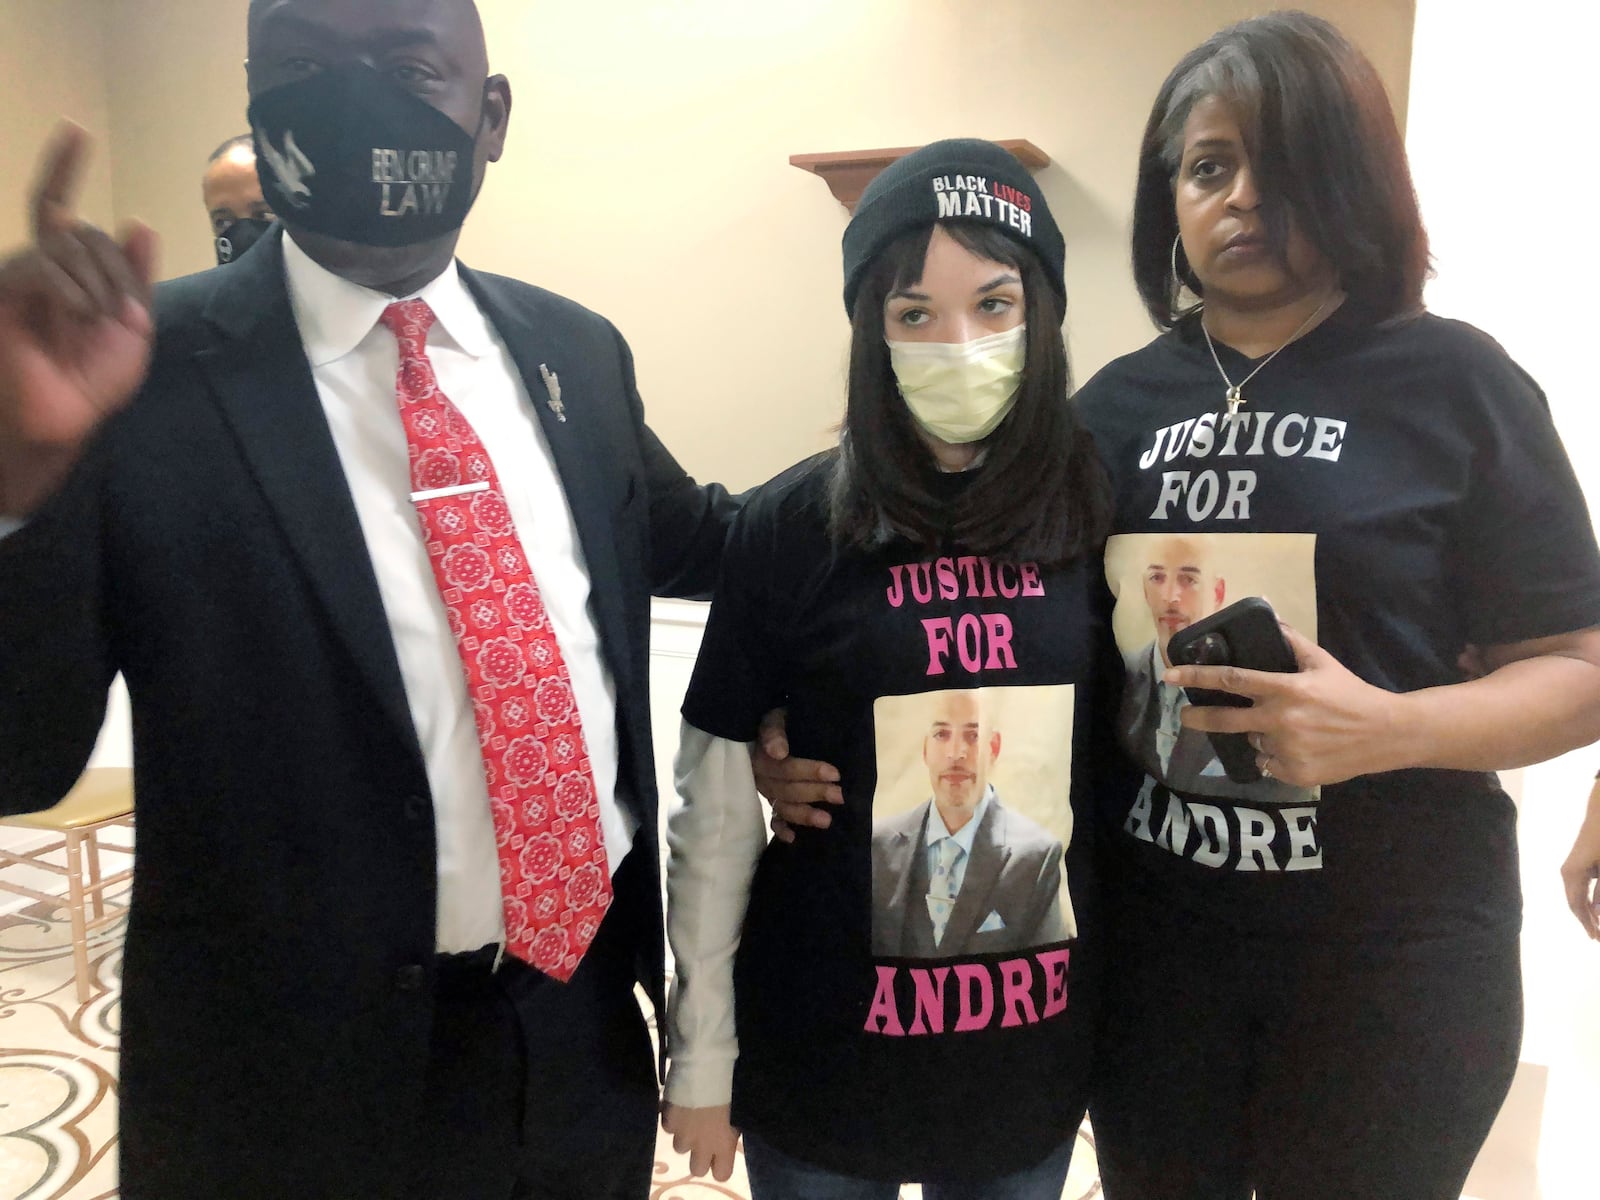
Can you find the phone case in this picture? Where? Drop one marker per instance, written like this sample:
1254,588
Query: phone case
1244,634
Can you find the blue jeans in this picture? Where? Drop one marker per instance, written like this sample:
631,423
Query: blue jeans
776,1176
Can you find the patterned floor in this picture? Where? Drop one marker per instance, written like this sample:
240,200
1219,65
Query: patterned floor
58,1076
58,1061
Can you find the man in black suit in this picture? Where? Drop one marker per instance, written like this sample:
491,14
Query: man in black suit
231,189
211,492
961,874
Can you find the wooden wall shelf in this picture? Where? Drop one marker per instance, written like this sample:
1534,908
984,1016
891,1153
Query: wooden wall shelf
847,172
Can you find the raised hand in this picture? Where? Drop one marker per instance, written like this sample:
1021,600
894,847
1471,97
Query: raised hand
75,331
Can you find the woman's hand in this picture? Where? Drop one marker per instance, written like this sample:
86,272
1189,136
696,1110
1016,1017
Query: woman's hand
705,1135
1539,698
794,786
1581,871
1319,725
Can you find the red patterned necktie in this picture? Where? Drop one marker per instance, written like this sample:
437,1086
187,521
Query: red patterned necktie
555,883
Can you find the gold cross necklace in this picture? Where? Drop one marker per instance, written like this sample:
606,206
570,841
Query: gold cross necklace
1234,395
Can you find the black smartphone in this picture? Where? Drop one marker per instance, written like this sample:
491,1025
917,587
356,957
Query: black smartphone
1244,634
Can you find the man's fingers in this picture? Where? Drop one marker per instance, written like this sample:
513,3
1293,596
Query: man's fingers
800,814
797,771
782,830
139,244
119,273
54,194
56,297
774,744
785,792
74,253
773,734
722,1165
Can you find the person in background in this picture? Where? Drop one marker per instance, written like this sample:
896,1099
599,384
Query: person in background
1324,1001
849,1071
371,537
1580,874
240,215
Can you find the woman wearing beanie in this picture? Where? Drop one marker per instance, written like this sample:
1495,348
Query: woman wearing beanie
907,996
1315,988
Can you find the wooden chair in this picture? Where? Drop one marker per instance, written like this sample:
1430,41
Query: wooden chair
103,797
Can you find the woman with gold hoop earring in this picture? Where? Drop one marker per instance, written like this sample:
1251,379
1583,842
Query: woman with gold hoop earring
1322,999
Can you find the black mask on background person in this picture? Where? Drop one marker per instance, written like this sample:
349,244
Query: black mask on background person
348,154
238,237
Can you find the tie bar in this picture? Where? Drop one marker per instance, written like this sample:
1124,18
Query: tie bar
459,490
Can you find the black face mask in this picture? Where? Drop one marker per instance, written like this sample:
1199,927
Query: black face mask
349,154
238,237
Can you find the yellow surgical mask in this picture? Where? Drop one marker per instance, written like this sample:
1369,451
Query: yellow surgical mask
960,392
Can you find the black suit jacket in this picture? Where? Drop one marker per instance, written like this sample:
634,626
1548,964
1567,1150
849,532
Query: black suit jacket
278,989
1015,872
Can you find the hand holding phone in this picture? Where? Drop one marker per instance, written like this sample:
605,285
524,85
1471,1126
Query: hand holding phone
1244,634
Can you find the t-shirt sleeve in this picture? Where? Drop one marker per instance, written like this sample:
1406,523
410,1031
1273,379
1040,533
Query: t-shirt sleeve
1525,541
739,675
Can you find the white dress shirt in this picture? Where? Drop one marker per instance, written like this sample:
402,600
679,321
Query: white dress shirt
354,362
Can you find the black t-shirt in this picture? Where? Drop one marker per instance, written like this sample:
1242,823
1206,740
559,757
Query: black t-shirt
1397,492
903,1014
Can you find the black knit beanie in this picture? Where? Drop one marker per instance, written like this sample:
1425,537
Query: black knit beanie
965,178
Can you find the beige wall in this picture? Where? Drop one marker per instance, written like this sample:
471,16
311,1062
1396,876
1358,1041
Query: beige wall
647,171
52,64
176,81
1533,304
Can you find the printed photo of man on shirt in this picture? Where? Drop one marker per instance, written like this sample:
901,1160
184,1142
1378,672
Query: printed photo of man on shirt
964,872
1178,579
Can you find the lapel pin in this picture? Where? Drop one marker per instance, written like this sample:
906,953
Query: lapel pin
552,384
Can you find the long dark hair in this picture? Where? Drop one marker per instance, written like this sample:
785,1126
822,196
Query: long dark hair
1041,494
1324,146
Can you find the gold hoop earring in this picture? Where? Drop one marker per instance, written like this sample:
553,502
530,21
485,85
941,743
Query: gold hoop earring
1179,283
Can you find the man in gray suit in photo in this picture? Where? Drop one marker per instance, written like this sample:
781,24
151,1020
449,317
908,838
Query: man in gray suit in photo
1183,583
961,874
